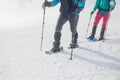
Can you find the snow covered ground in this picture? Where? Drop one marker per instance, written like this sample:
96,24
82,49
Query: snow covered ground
20,36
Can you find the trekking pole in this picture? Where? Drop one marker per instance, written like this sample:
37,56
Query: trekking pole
43,28
71,53
88,24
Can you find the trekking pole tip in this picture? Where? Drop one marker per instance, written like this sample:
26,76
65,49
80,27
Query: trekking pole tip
70,58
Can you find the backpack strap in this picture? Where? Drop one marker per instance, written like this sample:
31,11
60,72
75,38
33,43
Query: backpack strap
77,2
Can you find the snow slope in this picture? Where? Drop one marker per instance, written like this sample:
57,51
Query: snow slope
20,36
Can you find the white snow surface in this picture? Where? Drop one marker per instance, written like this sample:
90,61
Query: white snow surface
20,36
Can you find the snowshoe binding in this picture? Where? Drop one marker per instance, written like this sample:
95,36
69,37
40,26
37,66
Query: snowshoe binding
73,45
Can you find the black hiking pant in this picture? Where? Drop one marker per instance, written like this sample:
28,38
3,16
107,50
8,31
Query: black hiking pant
73,20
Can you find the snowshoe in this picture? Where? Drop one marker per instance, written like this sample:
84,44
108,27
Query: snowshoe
91,39
54,50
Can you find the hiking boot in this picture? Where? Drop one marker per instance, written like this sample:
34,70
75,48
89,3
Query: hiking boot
74,38
74,41
93,32
91,37
54,50
102,33
56,43
101,38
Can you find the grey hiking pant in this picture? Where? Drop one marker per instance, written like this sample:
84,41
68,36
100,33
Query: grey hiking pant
73,20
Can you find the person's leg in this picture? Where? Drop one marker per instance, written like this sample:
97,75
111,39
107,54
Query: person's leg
57,35
96,21
102,33
105,19
104,24
93,32
73,20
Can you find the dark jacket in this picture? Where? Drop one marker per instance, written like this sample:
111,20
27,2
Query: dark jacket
69,7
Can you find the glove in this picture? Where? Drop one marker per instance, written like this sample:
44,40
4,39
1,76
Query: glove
112,6
43,6
112,3
92,12
47,4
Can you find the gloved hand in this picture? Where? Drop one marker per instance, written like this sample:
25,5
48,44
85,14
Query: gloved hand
112,6
46,4
112,3
43,6
92,12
